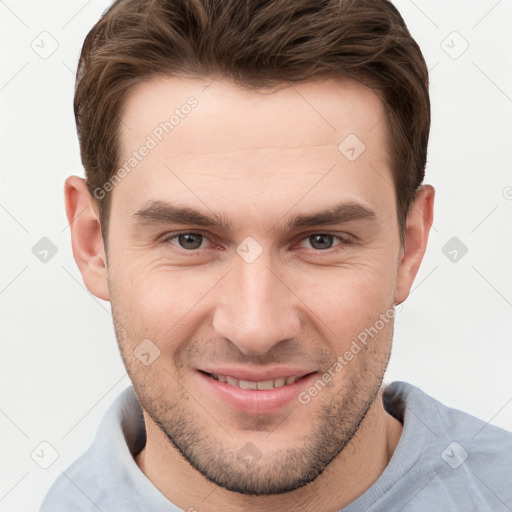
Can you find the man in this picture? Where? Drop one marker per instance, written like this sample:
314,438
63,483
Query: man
254,212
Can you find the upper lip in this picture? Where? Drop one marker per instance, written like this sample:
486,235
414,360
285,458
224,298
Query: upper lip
258,375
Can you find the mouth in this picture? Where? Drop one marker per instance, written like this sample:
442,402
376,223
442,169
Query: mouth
255,394
259,385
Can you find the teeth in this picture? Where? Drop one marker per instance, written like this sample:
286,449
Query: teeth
279,383
266,384
231,380
247,384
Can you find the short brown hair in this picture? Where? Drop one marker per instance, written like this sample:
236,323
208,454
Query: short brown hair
256,44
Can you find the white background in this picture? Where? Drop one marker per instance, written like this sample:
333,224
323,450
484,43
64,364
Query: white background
59,362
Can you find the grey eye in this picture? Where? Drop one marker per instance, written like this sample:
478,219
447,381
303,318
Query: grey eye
190,240
320,241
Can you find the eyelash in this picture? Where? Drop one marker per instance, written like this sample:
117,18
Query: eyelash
192,252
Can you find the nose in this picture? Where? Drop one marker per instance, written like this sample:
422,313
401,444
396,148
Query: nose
256,308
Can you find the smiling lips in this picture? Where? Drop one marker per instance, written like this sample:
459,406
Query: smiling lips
251,391
248,384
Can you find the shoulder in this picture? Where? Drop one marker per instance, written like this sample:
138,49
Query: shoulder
402,398
102,472
464,455
70,490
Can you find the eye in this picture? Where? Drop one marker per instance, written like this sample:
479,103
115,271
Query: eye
190,241
324,241
186,240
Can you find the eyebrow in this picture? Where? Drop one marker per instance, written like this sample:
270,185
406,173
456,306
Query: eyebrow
161,213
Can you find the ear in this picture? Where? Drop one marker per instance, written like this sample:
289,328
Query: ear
419,222
86,239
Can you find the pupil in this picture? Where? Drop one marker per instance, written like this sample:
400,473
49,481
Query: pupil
322,239
190,240
193,241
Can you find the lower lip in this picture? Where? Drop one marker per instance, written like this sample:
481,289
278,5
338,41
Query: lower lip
254,401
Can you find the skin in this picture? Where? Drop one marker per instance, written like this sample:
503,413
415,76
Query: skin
257,158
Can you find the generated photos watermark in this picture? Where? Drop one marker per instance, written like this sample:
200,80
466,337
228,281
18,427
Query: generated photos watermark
341,361
156,136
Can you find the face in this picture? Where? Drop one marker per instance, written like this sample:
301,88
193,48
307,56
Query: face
249,254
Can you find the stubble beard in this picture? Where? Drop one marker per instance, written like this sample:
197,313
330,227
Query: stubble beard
333,426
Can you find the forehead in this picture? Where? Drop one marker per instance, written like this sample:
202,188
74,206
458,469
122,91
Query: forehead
218,141
304,114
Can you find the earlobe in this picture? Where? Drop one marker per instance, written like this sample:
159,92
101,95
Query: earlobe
419,222
86,237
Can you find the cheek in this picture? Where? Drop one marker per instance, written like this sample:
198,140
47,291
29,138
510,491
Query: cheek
349,300
168,304
159,303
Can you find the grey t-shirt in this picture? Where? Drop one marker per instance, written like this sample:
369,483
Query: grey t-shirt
446,460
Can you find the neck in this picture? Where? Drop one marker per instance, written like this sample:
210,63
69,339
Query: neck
351,473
